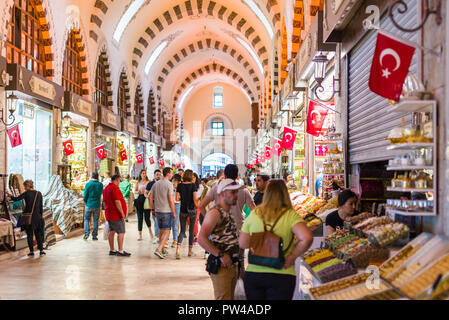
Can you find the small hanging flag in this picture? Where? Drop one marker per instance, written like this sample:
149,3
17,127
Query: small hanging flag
68,147
288,140
14,136
123,155
151,160
100,152
139,158
277,147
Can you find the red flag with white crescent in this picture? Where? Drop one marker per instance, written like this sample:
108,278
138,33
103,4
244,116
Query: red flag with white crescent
268,153
151,160
14,136
315,118
68,147
262,157
277,147
123,155
161,162
288,140
100,152
183,165
390,65
139,158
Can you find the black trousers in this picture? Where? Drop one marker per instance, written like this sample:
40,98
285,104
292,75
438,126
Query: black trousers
183,220
39,237
142,213
269,286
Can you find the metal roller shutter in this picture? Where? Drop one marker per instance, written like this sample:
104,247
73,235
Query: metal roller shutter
369,121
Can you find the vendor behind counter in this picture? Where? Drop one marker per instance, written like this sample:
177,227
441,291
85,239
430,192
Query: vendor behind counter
347,202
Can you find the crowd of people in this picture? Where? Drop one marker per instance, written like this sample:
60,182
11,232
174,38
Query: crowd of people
174,200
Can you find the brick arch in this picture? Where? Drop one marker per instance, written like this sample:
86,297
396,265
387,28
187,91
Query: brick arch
97,17
298,26
190,9
45,20
207,69
124,76
82,51
283,46
103,58
139,108
200,45
275,14
151,111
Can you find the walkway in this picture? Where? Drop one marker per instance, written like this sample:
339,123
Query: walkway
79,269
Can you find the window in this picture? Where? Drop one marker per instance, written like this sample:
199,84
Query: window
218,97
121,99
24,44
150,110
71,70
137,105
217,129
101,86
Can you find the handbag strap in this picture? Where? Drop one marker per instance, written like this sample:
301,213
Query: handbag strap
272,227
34,202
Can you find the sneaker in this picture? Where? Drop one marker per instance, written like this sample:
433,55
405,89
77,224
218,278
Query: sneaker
178,256
94,238
31,254
112,253
124,254
156,240
164,252
159,254
42,253
174,243
86,237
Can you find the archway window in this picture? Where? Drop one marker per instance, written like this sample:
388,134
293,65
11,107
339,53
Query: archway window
101,84
150,110
214,162
71,70
122,96
218,97
218,128
138,106
24,44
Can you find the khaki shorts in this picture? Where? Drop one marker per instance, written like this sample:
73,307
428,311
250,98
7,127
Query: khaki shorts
224,283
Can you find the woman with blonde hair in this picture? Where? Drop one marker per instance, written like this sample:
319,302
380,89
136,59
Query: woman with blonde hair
276,213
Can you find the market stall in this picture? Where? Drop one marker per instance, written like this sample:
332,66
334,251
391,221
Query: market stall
105,135
126,149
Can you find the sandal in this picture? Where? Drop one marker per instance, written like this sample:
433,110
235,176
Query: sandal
42,253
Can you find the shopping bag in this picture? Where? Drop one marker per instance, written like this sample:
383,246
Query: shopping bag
146,204
106,231
239,292
246,211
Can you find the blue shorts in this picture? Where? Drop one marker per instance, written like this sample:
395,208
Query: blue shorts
164,220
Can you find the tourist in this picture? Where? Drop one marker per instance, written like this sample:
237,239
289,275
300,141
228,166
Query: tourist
175,224
277,214
199,188
139,203
92,199
157,177
164,205
115,215
261,184
347,202
186,193
219,237
180,172
125,188
288,178
35,224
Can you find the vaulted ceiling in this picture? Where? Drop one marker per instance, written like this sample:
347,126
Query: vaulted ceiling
190,41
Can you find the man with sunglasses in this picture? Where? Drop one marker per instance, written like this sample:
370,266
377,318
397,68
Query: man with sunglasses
115,214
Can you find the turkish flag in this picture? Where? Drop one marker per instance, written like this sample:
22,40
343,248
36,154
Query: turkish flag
14,136
100,152
139,158
68,147
151,160
288,140
123,155
161,162
315,118
390,65
262,157
257,161
183,165
267,153
178,166
277,147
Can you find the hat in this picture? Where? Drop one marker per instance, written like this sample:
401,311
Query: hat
228,184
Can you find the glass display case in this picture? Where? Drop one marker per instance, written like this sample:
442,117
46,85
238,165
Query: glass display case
124,143
78,159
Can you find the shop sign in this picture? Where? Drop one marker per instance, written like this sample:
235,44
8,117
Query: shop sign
289,84
3,75
340,11
144,134
109,119
32,84
130,127
321,150
79,105
157,139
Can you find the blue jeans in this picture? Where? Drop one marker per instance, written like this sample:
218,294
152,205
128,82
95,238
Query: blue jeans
95,212
175,222
156,226
164,220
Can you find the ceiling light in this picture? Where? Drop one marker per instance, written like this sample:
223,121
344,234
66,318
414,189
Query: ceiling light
261,16
154,56
184,96
130,12
253,54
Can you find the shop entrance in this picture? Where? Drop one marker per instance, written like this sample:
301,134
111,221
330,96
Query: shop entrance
214,162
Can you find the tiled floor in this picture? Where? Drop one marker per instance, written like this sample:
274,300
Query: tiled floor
79,269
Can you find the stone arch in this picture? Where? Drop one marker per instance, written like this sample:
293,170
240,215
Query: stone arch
123,76
139,108
103,59
96,18
151,111
284,53
298,26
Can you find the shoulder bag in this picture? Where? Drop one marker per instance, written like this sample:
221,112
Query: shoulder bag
25,219
266,248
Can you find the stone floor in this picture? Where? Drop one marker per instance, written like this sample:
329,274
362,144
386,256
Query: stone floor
79,269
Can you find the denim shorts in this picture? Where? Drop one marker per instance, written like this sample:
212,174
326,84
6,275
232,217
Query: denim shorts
117,226
164,220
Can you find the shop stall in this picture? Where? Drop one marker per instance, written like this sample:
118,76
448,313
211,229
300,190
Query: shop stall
105,135
77,115
126,148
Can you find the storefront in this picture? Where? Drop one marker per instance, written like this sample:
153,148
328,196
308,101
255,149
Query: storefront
78,117
126,148
144,136
34,157
105,134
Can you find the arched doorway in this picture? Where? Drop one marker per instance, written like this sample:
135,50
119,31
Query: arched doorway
214,162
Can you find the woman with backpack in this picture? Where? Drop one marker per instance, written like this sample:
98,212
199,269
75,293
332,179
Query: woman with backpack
271,270
186,193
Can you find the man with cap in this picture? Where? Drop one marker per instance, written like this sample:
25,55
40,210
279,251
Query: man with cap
219,237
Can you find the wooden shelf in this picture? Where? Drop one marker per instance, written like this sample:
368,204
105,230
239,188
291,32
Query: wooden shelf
410,146
411,213
407,168
408,190
414,106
